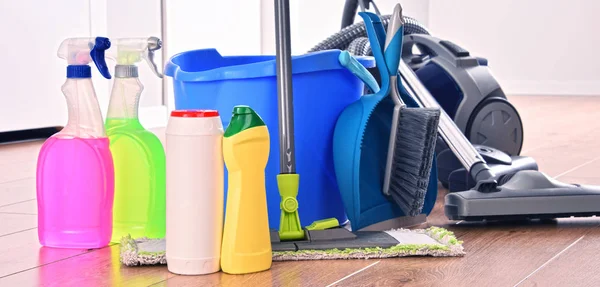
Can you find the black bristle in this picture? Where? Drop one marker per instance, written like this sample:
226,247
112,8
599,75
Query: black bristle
413,156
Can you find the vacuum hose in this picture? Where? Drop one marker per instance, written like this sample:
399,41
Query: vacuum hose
342,39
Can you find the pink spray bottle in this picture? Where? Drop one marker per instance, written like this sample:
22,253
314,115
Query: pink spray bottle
75,174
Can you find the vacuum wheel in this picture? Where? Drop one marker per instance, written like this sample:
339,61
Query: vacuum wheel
496,123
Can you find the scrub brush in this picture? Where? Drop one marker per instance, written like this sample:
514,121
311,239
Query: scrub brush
413,134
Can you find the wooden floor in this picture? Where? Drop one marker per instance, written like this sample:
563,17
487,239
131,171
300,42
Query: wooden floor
562,134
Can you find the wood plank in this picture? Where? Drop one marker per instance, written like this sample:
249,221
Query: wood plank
558,144
497,255
17,191
98,268
541,123
102,268
17,171
566,153
587,174
22,251
11,223
577,266
299,273
18,152
26,207
591,170
18,161
580,180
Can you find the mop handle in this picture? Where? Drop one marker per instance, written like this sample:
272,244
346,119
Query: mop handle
287,159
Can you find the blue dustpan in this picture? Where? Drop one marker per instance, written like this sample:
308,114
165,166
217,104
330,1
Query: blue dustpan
360,146
360,143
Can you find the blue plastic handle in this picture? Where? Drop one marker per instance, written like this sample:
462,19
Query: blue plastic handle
358,70
97,54
376,34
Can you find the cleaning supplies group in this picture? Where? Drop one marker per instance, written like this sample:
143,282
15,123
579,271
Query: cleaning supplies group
97,182
83,171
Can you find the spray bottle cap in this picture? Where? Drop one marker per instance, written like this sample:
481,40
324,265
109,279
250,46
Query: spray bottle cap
130,51
79,52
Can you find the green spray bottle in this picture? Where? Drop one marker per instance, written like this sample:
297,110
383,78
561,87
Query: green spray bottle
139,157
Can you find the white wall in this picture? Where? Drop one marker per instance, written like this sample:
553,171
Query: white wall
32,57
139,19
536,47
312,21
32,74
232,27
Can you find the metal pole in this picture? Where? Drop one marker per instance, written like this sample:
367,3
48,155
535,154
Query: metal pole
287,159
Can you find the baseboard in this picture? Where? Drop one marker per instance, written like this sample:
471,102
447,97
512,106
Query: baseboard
551,88
153,117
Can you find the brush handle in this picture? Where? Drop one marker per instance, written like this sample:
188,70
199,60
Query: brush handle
393,41
393,51
358,70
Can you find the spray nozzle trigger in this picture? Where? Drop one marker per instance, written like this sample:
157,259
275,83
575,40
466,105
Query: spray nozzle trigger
153,45
97,54
130,51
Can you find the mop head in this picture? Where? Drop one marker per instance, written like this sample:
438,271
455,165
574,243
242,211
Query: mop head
142,251
433,241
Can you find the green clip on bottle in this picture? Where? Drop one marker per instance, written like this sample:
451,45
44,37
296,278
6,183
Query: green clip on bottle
139,157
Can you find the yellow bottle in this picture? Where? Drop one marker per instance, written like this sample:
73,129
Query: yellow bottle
246,244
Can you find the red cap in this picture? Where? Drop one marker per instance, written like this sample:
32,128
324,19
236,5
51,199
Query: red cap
194,113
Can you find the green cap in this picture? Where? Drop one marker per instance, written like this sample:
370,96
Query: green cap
243,118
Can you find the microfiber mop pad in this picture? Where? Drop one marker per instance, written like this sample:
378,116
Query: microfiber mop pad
433,241
142,251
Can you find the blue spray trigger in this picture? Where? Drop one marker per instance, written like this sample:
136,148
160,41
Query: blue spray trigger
97,54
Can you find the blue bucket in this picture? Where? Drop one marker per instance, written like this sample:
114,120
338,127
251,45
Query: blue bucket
322,88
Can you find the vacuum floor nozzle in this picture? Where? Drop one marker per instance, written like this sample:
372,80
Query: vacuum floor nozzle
456,178
527,194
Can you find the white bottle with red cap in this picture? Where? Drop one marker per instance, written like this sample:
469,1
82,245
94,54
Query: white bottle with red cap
194,192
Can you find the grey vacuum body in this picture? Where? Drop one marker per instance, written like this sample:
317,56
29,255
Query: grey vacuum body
466,89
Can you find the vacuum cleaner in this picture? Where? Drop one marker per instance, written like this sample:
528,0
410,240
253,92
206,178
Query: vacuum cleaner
466,89
487,182
521,194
